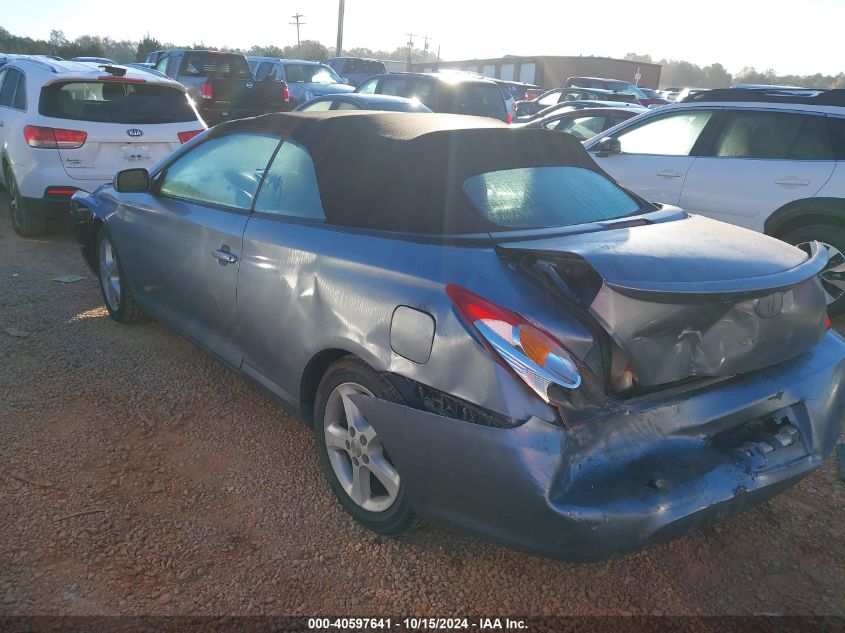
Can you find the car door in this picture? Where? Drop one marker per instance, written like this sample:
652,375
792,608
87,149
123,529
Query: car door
655,153
180,244
757,161
279,278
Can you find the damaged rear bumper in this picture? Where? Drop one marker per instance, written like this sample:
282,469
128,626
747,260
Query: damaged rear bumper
661,467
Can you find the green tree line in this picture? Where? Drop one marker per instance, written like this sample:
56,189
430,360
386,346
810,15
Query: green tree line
126,51
686,74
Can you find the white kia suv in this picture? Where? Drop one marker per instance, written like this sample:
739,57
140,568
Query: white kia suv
769,160
68,126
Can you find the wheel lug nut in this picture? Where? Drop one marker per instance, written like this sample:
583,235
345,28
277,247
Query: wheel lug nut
348,445
365,459
355,461
352,431
363,441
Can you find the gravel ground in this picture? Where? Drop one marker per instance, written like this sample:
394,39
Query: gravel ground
138,476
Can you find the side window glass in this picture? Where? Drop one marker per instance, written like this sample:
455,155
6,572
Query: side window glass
290,188
584,128
161,65
264,69
773,136
7,90
20,94
424,91
345,105
395,86
836,125
673,134
222,171
316,106
368,87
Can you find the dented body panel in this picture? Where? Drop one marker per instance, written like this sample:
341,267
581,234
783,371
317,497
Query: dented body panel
655,469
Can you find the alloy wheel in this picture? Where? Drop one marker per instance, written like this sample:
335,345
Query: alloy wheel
356,454
109,274
832,277
14,201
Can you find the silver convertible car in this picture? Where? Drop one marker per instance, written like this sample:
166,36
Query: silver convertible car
481,326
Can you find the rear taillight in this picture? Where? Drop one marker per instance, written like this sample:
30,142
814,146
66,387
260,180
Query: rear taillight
53,138
286,93
184,137
206,90
524,349
826,322
510,117
60,192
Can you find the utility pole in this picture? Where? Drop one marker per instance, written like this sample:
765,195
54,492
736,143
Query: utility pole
411,37
340,8
298,21
425,47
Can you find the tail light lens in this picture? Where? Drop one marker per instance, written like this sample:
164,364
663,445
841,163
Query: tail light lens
184,137
286,93
529,352
206,90
510,117
53,138
826,322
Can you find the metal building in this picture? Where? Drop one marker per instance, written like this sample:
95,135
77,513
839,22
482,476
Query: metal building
551,71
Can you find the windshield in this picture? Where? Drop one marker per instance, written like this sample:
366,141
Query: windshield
540,197
115,102
310,74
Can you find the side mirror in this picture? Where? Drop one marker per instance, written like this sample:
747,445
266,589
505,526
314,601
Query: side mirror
135,180
607,146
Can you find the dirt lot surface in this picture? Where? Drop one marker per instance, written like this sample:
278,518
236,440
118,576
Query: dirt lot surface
138,476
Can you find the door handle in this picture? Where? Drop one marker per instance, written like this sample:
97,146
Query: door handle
669,173
792,180
225,256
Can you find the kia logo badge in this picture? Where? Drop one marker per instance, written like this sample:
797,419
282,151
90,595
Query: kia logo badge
135,132
249,84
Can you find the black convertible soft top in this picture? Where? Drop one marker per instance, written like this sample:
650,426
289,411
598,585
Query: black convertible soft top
400,171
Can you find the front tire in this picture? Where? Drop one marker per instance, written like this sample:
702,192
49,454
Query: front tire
832,278
116,294
24,221
356,463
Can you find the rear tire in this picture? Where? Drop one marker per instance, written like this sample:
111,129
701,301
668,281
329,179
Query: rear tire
833,276
356,454
116,294
24,222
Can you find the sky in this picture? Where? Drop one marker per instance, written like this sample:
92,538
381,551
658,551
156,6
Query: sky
790,37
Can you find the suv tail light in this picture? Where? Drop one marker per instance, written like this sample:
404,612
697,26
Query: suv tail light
524,349
206,90
286,93
510,117
53,138
184,137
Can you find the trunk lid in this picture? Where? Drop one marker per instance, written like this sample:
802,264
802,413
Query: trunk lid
690,297
247,93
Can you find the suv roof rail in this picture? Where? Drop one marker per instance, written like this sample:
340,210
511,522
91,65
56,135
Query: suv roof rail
33,60
809,96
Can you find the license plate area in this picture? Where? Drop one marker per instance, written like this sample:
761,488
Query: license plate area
136,153
766,441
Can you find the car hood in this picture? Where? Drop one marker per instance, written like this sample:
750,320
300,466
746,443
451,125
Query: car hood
685,298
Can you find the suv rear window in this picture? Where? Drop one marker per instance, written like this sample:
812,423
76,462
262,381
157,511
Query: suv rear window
365,66
215,65
115,102
540,197
480,99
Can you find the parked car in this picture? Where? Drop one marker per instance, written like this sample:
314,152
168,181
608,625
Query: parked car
149,68
94,60
457,93
569,106
517,89
533,93
767,162
356,69
362,102
684,94
69,126
305,80
615,85
562,95
222,85
481,327
584,123
656,98
153,57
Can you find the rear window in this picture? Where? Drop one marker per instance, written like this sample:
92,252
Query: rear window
476,98
115,102
215,65
540,197
365,66
310,73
